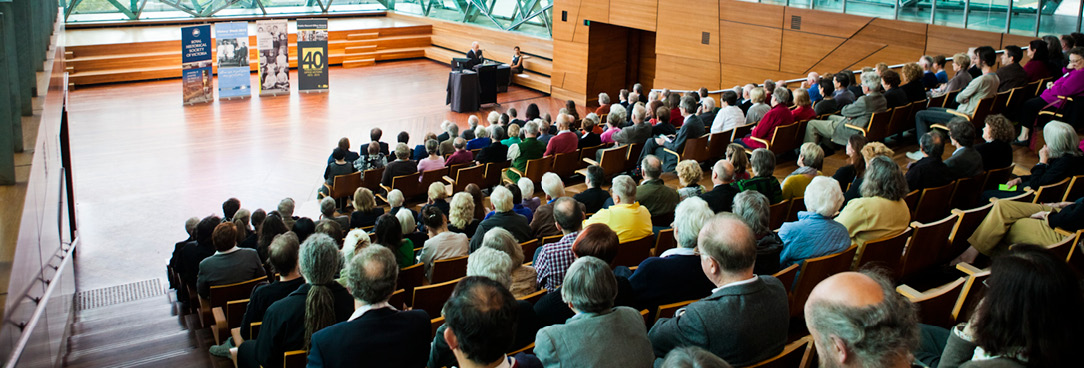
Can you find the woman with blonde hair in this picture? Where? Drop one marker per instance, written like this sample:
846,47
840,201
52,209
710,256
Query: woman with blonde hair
513,135
912,82
803,106
689,175
461,214
365,210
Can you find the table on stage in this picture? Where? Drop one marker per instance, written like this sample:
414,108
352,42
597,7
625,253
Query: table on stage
469,89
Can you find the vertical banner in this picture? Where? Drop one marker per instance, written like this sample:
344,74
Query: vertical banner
232,53
273,46
312,55
196,64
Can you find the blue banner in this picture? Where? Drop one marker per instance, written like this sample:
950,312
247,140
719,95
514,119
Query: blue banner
196,64
232,52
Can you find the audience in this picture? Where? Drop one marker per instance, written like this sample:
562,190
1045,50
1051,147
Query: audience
389,233
1061,158
481,139
435,160
758,108
283,259
374,137
482,322
752,207
626,217
503,217
365,209
689,175
523,278
186,261
827,103
912,82
419,150
815,233
763,165
691,127
803,109
542,223
675,275
1071,84
588,137
1010,74
965,161
411,231
961,78
479,207
451,131
984,86
599,335
737,156
401,166
336,168
327,212
654,195
375,333
1013,222
461,155
894,95
272,225
565,141
842,95
442,244
527,198
810,162
496,151
930,171
593,198
996,150
881,211
745,318
437,195
344,145
857,114
637,132
693,357
373,159
303,227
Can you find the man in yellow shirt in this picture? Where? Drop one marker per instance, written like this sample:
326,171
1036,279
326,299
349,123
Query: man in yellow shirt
626,217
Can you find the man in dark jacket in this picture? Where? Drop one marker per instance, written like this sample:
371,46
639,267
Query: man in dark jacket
930,171
721,197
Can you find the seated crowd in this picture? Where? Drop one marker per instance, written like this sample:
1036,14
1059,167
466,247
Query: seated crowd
335,275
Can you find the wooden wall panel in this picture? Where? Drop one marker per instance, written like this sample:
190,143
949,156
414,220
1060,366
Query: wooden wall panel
949,40
607,61
894,33
891,55
847,55
595,10
731,75
648,60
678,72
804,50
680,27
570,67
639,14
825,23
750,45
1011,39
751,13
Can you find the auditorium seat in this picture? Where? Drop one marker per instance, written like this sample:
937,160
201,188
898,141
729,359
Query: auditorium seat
997,177
694,149
1049,193
408,184
343,187
632,158
778,214
794,355
967,191
295,359
926,242
494,171
533,170
632,252
564,165
669,310
410,278
589,152
787,276
228,317
529,247
431,298
448,269
933,203
797,204
664,241
219,296
935,306
1075,189
784,139
973,291
815,270
458,180
612,161
885,252
966,224
877,129
534,297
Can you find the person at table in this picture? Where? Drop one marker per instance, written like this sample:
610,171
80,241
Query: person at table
475,55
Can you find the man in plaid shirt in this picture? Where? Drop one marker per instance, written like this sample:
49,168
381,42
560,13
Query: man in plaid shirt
555,258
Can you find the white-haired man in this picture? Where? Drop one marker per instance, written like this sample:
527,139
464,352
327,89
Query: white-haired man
638,132
675,276
565,141
858,114
503,217
474,54
626,217
811,85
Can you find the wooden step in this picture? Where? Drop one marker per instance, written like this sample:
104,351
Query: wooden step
533,81
358,63
360,49
362,36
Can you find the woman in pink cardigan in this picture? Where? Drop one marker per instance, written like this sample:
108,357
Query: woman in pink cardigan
1070,84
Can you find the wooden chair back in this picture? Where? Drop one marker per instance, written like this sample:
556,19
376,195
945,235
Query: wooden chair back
430,177
815,270
898,122
982,110
1051,192
632,157
235,312
785,139
453,170
797,204
345,185
777,213
935,306
967,191
467,176
996,177
295,359
791,356
434,324
254,329
696,149
664,241
371,179
448,269
408,184
938,101
1075,189
589,153
493,173
717,143
973,291
564,164
529,247
398,299
221,294
787,276
1001,99
613,160
925,245
534,297
550,239
740,132
668,310
934,203
950,99
431,298
878,125
912,199
884,252
631,253
1063,248
410,278
966,223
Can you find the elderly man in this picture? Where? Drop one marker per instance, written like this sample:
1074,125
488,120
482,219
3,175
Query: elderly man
659,199
472,124
503,217
401,166
691,128
859,320
981,87
286,210
447,145
565,141
626,217
376,334
594,197
544,134
542,224
530,148
553,259
461,155
721,197
599,335
474,55
229,264
965,161
707,110
857,114
637,132
675,276
480,324
810,84
745,319
930,171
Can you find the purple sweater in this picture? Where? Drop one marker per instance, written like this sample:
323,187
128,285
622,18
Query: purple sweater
1071,84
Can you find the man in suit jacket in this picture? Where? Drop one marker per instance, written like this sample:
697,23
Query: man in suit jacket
503,217
482,322
543,223
375,335
691,128
594,197
599,335
930,171
638,132
374,135
229,264
745,319
658,198
675,276
721,197
965,161
857,114
402,166
1011,74
475,55
188,258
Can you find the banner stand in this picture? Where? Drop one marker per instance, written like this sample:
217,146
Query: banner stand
272,45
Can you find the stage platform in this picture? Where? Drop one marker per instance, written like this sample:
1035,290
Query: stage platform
125,54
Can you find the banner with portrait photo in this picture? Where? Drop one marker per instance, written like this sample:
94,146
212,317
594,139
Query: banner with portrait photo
196,80
231,48
273,46
312,55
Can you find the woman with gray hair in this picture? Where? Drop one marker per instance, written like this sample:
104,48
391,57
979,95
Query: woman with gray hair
810,162
881,211
762,165
815,234
599,335
778,115
754,211
523,278
1059,159
526,189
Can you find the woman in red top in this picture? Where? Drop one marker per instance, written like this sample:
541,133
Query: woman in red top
779,115
803,109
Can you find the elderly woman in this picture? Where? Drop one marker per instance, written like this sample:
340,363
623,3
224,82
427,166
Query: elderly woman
442,244
1030,316
522,278
373,159
803,106
395,201
763,165
1061,158
502,217
435,161
881,211
513,136
735,153
754,211
481,139
438,195
996,150
526,189
960,80
810,162
867,152
409,228
676,276
778,115
912,82
815,234
461,214
365,210
1070,84
355,240
327,212
758,109
599,334
389,233
689,175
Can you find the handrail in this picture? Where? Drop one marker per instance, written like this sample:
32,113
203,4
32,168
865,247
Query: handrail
42,305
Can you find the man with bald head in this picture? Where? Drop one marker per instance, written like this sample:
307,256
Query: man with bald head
721,197
859,320
745,319
565,141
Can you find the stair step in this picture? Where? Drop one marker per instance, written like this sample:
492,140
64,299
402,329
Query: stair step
358,63
362,36
360,49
